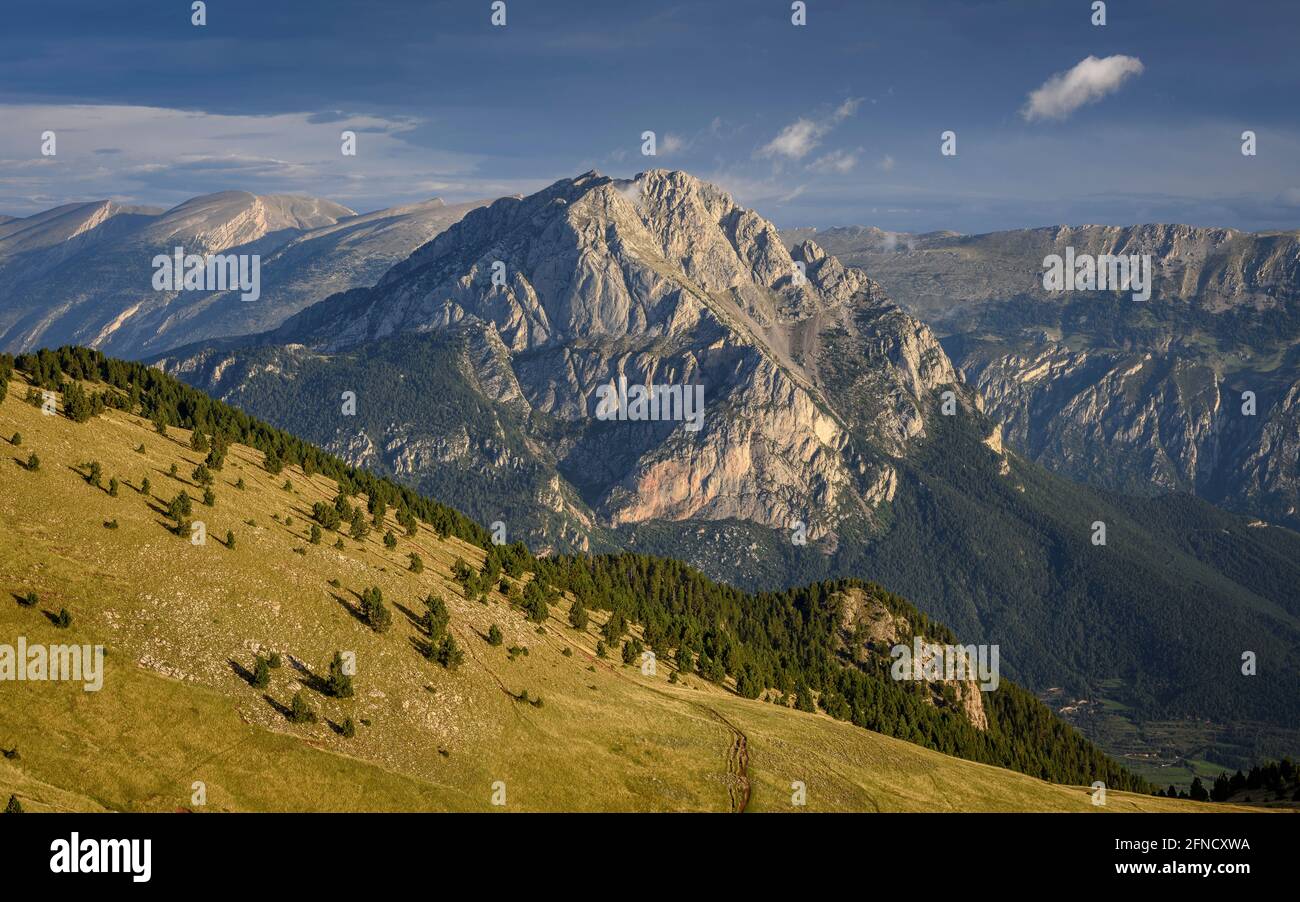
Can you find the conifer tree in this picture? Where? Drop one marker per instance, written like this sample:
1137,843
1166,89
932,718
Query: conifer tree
578,618
449,654
339,683
299,711
261,673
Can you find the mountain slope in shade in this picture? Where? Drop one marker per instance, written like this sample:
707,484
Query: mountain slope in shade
823,417
83,273
1136,396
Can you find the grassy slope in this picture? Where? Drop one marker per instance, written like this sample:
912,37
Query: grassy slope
176,618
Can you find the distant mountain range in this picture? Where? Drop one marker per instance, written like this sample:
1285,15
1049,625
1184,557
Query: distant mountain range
1139,397
82,273
840,435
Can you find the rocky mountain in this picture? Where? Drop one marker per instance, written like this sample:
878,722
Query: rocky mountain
1193,390
663,280
836,438
83,273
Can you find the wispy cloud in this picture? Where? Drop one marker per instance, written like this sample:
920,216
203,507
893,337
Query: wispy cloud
836,161
1089,81
156,155
801,137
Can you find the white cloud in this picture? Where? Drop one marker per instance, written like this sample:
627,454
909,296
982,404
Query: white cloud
671,143
886,164
155,155
798,139
836,161
1088,82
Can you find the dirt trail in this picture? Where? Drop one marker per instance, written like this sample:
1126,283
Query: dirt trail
737,762
738,786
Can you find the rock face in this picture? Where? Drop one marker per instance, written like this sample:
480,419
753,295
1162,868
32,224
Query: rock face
868,628
823,445
83,273
663,281
1142,397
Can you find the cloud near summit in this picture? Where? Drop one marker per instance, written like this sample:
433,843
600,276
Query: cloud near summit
1089,81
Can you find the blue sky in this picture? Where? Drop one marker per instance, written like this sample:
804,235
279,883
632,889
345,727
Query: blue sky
836,122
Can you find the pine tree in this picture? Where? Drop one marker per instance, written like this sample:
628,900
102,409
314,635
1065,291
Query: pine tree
17,439
145,486
299,712
390,540
315,534
33,462
349,729
30,600
14,806
198,442
684,660
436,617
374,610
339,683
578,618
230,539
359,529
112,487
449,654
494,636
261,673
209,496
417,563
64,619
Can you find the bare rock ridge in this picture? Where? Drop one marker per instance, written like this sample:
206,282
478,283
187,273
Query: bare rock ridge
664,280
